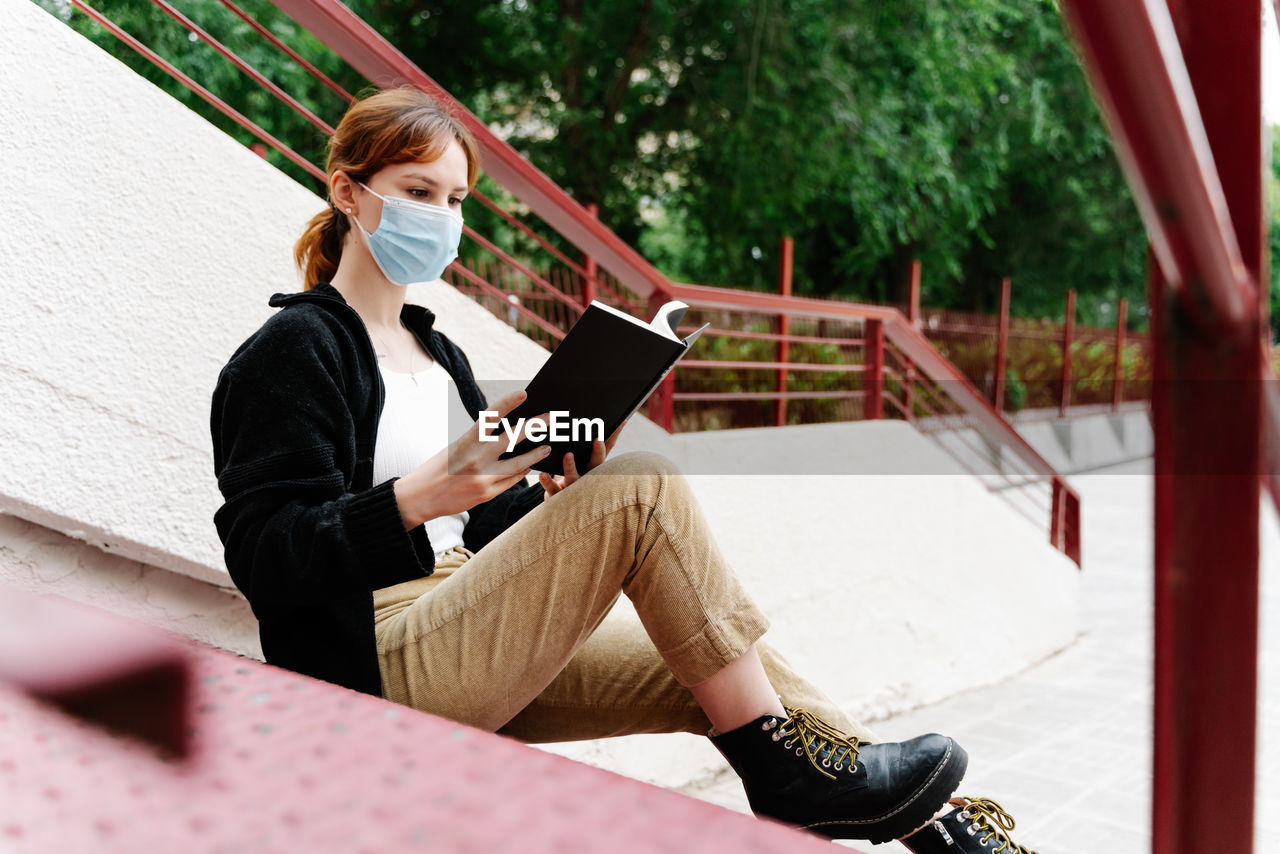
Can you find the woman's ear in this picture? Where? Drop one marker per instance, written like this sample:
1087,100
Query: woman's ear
342,192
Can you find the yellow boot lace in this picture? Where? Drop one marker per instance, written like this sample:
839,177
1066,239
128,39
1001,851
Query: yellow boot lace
991,819
824,745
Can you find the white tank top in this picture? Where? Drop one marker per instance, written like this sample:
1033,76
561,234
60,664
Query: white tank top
413,428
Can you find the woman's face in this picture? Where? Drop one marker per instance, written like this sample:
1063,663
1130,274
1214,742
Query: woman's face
442,182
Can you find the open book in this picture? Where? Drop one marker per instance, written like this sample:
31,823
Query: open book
605,368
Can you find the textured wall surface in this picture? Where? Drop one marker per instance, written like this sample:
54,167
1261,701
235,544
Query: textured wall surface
141,245
39,560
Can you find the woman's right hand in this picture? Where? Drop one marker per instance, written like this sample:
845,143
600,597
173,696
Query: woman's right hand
466,473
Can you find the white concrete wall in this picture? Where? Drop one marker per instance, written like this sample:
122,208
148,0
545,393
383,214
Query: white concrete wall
141,245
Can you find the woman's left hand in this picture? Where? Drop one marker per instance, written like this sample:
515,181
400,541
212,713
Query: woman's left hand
551,484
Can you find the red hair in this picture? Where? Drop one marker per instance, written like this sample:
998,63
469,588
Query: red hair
388,127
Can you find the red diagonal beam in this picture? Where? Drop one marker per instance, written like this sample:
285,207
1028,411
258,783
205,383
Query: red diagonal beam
1131,51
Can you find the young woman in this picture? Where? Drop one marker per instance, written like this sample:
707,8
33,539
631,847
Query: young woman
382,554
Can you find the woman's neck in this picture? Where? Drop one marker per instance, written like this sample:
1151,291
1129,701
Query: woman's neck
365,289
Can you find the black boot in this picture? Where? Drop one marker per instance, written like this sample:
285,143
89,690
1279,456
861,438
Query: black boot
802,771
975,826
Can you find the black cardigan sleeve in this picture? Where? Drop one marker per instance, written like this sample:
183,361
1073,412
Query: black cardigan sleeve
285,453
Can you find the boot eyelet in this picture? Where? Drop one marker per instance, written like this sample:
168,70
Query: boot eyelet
826,763
799,751
839,767
777,736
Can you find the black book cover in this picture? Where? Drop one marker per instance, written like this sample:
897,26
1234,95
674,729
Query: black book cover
606,367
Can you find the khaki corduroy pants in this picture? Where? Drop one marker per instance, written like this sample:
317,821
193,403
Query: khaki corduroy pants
514,639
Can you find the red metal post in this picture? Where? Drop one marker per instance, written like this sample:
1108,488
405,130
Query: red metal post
589,266
1117,381
1068,332
873,378
1064,521
1206,410
913,319
661,406
786,259
1002,344
913,298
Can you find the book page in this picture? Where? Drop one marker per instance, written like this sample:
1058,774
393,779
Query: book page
665,322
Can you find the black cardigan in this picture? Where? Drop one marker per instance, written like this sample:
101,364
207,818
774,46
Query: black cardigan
307,535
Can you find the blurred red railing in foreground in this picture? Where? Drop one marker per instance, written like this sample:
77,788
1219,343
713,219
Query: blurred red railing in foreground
283,762
1180,87
820,371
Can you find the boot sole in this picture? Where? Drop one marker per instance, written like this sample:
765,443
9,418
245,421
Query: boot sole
912,814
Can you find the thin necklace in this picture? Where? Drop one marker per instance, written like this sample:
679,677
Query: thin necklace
412,375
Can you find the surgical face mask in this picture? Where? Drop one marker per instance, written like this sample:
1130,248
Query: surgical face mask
414,241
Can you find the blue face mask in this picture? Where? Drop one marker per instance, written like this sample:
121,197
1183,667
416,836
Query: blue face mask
414,241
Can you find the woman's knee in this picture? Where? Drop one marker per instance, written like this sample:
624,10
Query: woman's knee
637,463
643,478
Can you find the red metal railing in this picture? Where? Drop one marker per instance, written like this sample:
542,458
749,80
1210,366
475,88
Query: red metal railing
1028,364
1044,365
820,370
1180,87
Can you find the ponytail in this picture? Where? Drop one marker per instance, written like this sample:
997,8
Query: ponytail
391,126
319,249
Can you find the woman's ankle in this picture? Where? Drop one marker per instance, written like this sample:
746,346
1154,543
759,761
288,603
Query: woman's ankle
738,694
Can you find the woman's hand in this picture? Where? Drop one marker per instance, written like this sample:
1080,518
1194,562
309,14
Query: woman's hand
551,484
466,473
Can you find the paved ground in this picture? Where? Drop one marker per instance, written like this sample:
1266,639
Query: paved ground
1065,746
